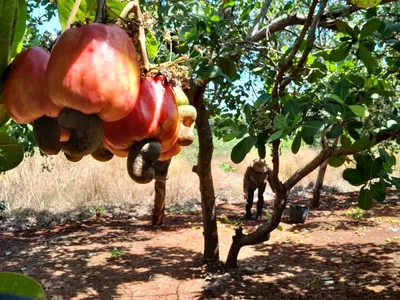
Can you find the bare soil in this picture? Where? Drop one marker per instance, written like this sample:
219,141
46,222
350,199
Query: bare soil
330,256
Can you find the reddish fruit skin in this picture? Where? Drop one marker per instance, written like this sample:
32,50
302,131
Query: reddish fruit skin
25,88
94,69
154,116
176,148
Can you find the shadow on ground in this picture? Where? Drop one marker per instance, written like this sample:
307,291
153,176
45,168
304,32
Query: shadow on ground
74,261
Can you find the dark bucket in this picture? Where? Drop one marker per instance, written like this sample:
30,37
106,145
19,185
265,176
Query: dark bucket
298,214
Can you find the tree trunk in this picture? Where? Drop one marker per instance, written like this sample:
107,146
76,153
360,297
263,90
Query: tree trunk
159,203
318,184
262,233
161,176
203,170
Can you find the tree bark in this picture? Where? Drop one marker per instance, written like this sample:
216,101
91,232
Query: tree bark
203,170
318,184
261,234
161,176
159,203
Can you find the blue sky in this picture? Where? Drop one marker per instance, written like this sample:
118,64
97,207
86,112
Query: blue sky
52,26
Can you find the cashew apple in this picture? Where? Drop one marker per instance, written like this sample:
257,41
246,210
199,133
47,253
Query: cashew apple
94,69
155,116
25,88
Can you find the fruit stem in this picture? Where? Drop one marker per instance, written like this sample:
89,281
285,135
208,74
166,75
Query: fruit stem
72,14
142,38
99,11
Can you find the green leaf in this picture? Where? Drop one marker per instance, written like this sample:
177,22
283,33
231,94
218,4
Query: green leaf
20,28
8,24
209,72
336,98
241,149
378,190
229,4
279,227
11,153
366,57
369,28
21,285
291,108
354,177
87,10
345,141
371,12
228,67
312,127
151,45
247,112
275,136
365,199
356,80
215,19
4,117
361,144
344,27
341,89
335,132
296,143
337,160
340,53
280,122
359,110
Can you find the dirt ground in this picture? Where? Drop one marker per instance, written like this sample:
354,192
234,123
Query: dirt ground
331,256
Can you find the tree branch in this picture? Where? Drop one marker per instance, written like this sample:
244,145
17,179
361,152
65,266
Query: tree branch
72,15
289,60
327,21
328,152
309,46
257,23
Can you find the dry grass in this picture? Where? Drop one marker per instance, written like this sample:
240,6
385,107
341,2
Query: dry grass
56,185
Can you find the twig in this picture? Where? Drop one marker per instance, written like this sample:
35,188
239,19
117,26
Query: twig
309,46
142,38
128,7
72,14
289,60
257,23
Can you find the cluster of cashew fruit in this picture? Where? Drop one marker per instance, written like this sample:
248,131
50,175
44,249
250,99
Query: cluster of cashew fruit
87,97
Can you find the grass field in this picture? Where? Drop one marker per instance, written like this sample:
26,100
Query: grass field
55,185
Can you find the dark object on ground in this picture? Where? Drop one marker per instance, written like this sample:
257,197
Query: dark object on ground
298,214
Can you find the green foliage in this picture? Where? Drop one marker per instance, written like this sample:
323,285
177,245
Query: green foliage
227,167
117,254
87,10
355,213
20,285
11,154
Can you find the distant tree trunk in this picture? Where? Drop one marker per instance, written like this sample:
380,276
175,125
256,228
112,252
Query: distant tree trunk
161,176
203,170
319,184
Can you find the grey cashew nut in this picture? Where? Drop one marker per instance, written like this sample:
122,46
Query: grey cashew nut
86,133
142,156
102,154
47,134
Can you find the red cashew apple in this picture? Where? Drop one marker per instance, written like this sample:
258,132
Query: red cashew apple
25,88
155,116
26,99
94,69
